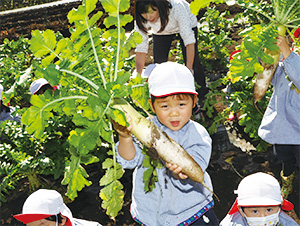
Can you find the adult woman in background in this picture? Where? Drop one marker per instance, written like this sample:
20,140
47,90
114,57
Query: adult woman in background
168,19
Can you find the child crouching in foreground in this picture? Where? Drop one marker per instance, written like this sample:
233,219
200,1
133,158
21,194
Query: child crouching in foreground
259,202
176,200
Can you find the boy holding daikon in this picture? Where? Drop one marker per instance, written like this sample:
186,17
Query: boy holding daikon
280,125
176,200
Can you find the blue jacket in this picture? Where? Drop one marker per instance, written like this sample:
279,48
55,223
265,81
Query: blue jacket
7,116
80,222
173,201
281,121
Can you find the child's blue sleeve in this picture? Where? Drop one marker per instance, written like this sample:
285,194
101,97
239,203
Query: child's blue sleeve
136,161
292,68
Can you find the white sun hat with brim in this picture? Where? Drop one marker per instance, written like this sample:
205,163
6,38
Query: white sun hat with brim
37,84
171,78
42,204
259,189
147,71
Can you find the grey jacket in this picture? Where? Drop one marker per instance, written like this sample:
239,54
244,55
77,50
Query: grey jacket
281,121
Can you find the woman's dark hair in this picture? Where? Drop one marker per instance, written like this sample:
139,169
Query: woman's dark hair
142,6
53,218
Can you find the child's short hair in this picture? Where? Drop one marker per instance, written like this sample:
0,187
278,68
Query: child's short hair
180,96
171,78
259,189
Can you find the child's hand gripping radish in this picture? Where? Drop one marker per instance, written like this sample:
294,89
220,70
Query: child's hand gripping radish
263,80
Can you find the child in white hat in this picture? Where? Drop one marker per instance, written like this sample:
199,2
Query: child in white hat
46,207
176,200
39,86
259,203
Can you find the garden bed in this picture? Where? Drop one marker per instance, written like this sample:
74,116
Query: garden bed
233,156
227,142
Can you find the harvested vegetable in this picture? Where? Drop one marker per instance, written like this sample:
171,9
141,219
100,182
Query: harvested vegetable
259,53
264,79
153,137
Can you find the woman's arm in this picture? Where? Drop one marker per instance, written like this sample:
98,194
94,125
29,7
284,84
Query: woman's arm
190,54
140,59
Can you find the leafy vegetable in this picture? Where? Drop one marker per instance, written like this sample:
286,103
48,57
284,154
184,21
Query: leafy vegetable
88,67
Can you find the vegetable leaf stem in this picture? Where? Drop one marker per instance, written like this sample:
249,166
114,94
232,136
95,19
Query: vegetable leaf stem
95,53
81,77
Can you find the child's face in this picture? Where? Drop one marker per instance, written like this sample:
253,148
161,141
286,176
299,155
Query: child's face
151,15
258,211
173,111
42,222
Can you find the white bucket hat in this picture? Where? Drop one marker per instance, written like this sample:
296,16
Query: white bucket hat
259,189
42,204
37,84
171,78
147,71
1,90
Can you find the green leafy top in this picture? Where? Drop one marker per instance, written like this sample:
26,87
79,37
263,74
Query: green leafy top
260,39
88,67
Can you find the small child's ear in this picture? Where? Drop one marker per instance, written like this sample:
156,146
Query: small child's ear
64,220
151,105
195,100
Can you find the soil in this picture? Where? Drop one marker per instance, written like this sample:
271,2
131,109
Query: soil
229,141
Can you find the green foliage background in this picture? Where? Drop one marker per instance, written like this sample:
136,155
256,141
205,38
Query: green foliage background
65,131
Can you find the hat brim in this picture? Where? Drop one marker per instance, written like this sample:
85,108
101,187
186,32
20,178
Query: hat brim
286,205
261,201
27,218
40,86
166,93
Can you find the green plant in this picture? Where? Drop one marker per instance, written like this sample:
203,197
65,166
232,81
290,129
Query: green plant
21,156
214,38
15,62
258,37
88,86
93,92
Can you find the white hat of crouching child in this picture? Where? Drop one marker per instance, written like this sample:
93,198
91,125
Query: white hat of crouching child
260,189
1,90
148,70
42,204
171,78
37,84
